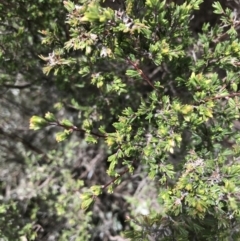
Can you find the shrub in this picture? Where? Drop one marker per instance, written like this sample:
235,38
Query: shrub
162,97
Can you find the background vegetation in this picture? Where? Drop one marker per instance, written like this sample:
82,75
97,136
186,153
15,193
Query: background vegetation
134,119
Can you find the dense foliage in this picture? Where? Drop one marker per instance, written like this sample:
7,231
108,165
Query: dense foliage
32,167
146,111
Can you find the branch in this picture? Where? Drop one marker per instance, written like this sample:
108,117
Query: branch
74,128
116,178
17,86
223,96
26,143
218,39
144,76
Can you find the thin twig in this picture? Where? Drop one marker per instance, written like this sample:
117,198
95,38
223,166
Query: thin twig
17,86
26,143
75,128
218,39
144,76
116,178
223,96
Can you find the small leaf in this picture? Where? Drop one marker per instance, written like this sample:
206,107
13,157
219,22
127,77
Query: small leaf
186,109
69,5
91,139
86,203
50,116
96,190
218,8
37,122
61,136
66,123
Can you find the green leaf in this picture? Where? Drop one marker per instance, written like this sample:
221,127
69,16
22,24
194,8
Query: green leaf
133,73
50,116
91,139
37,122
96,190
69,5
218,8
66,123
61,136
86,203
